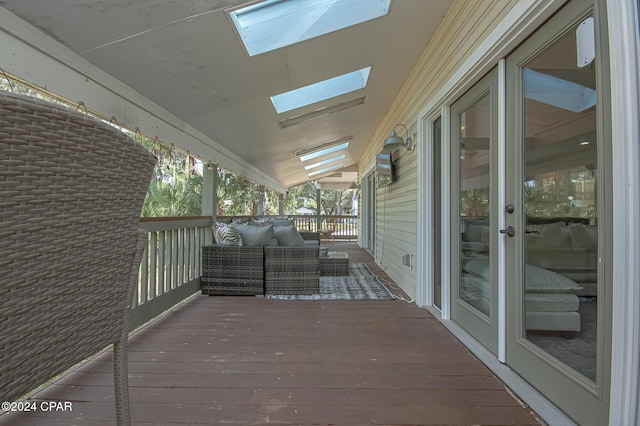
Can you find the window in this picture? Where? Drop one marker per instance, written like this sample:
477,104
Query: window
320,91
325,162
324,151
273,24
326,169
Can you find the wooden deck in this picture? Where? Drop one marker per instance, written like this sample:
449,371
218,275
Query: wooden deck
251,360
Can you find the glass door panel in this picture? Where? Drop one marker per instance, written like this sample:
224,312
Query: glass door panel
560,206
474,181
474,125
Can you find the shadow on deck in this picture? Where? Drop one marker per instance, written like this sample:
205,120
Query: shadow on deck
252,360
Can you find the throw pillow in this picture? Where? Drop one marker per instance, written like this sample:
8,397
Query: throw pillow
584,237
540,280
288,236
556,236
254,235
226,235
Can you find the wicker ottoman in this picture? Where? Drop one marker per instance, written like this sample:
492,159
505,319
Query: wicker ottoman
335,264
232,271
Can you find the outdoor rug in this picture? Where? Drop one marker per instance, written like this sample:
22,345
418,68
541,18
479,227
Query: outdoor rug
361,284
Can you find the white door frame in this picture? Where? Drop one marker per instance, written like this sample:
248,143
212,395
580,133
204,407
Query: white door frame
624,51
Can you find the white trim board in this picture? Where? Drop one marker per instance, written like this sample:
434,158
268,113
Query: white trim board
624,51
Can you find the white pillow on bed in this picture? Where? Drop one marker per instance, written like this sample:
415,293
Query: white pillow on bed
539,280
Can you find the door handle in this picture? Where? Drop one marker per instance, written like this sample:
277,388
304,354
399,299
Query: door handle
510,231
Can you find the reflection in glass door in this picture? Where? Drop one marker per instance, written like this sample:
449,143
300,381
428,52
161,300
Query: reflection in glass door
474,181
557,133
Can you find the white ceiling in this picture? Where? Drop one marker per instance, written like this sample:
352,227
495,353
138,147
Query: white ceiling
186,56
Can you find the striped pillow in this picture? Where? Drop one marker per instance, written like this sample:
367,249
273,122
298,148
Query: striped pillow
226,235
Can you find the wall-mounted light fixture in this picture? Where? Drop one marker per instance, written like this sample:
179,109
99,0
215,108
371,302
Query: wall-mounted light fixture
394,141
354,185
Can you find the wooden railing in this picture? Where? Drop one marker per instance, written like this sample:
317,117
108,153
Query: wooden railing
343,227
170,266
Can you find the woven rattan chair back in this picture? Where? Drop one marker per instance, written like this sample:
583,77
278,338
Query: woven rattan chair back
71,192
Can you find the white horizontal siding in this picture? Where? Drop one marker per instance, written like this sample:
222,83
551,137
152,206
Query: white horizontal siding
396,225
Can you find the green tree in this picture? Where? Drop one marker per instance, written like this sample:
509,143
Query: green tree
176,187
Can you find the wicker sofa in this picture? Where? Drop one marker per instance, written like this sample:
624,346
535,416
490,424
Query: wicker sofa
264,267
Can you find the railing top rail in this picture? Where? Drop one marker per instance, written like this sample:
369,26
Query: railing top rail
154,224
311,216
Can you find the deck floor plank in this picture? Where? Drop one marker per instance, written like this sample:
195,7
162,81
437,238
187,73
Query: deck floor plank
251,360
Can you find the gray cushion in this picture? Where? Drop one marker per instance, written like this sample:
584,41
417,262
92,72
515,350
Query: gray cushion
259,221
473,229
288,236
282,222
584,237
253,235
556,236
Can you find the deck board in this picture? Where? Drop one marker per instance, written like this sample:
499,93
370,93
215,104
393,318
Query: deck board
251,360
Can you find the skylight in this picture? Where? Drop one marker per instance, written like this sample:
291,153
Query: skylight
326,169
320,91
325,162
557,92
325,151
273,24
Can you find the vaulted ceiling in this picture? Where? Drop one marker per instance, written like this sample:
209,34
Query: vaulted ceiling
186,56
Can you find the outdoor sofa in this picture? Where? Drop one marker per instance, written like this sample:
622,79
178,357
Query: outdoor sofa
262,256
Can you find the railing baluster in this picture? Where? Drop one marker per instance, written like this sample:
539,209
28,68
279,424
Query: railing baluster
161,261
169,257
153,262
144,276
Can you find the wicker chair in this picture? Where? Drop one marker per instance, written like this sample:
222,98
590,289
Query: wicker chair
71,192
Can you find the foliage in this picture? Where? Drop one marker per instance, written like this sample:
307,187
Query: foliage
475,202
303,195
236,195
176,187
332,201
336,201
